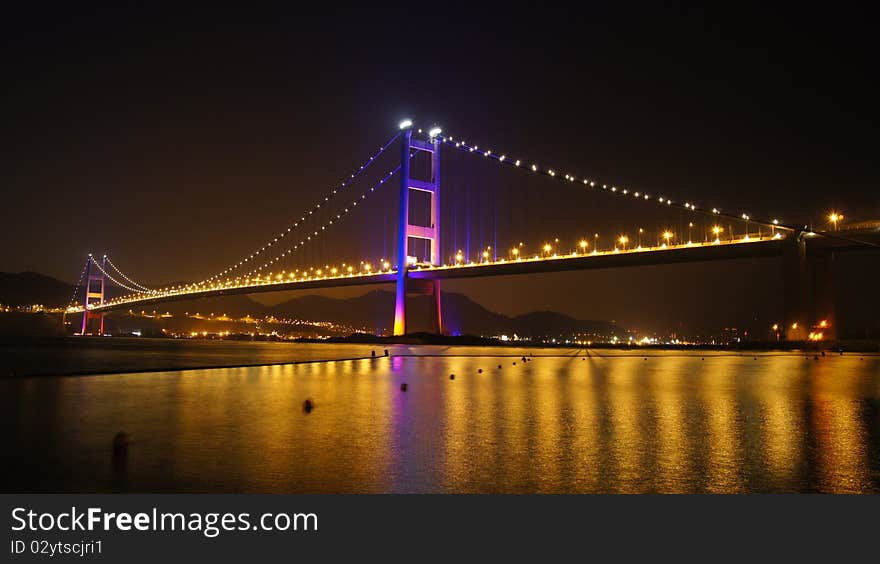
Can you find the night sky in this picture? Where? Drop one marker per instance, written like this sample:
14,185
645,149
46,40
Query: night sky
178,142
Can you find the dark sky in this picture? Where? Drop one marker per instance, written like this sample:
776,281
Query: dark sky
179,141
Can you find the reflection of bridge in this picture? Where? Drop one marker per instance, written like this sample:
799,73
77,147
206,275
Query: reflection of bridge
808,290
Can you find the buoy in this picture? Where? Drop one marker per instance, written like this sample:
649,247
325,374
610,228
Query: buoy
702,359
403,387
523,359
120,445
584,358
646,358
479,370
308,406
514,363
452,376
499,366
386,352
756,358
816,357
374,353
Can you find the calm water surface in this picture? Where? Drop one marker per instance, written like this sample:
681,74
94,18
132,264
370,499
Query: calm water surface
614,422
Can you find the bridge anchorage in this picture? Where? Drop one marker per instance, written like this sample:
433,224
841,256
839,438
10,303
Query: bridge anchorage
704,234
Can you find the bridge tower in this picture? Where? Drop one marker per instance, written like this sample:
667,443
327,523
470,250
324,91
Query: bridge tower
410,236
94,292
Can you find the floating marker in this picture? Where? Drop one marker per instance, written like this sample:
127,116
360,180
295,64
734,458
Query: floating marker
120,446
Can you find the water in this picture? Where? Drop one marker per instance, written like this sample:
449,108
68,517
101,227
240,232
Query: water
615,422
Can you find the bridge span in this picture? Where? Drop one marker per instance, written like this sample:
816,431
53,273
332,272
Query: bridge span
419,268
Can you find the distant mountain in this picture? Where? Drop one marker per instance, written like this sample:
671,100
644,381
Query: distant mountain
551,323
233,306
373,311
461,315
28,288
376,310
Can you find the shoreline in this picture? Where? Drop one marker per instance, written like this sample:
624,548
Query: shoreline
424,339
219,354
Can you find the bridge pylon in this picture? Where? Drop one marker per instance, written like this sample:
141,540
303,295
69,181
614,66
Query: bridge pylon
809,297
418,243
94,295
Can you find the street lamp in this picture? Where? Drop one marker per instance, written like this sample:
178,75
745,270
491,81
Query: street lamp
583,246
547,248
623,240
667,236
690,226
717,230
835,218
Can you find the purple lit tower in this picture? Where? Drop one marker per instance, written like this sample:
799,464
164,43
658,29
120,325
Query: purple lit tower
409,233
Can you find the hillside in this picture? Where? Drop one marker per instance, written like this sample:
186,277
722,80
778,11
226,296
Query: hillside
28,288
373,310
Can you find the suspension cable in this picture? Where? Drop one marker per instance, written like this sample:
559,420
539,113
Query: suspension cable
317,233
122,274
502,158
76,288
114,280
333,192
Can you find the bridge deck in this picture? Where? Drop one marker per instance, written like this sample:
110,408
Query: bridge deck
750,248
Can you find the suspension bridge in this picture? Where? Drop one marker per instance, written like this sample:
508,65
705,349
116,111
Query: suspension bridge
419,264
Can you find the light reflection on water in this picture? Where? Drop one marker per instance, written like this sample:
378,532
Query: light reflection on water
615,422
